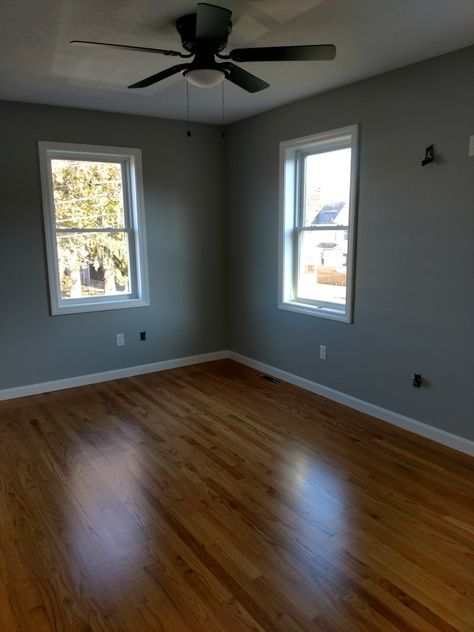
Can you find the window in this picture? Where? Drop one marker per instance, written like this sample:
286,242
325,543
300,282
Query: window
317,223
94,227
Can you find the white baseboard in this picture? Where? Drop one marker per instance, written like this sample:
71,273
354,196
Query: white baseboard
418,427
106,376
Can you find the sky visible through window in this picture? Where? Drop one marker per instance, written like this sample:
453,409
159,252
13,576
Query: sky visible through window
327,178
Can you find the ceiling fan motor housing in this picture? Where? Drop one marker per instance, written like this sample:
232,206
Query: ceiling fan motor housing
186,26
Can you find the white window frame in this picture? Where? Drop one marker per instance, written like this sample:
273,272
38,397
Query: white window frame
292,154
132,182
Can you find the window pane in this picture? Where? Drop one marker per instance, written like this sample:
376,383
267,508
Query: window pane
327,187
87,194
93,264
322,273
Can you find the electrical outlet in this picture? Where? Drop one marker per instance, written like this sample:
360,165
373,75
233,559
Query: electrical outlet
322,352
120,340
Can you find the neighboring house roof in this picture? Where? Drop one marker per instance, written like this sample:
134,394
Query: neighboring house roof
328,214
327,245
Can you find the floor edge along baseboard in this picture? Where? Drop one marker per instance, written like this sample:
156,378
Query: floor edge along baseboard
448,439
107,376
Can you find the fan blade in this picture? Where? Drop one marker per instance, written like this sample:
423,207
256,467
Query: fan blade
159,76
242,78
140,49
212,21
319,52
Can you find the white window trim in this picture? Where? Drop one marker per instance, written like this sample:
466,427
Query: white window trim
287,224
131,160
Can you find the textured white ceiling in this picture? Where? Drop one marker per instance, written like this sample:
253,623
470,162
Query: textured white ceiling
372,36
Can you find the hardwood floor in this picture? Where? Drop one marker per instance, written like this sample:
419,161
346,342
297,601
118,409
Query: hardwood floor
207,499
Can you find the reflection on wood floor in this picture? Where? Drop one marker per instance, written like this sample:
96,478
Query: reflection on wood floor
207,499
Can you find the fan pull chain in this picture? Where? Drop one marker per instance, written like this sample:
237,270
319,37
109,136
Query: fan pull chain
188,133
223,111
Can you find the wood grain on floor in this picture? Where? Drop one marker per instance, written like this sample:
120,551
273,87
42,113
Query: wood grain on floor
206,499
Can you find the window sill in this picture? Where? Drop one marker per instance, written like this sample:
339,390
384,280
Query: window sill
98,306
319,312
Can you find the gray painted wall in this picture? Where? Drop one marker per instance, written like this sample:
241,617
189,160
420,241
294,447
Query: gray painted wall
414,291
183,184
213,277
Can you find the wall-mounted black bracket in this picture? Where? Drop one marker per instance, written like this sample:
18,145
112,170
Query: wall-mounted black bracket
429,156
416,380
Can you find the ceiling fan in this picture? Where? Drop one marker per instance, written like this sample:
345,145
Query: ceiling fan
204,36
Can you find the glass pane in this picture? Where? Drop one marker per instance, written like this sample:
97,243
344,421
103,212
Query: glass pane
88,194
327,188
93,264
322,273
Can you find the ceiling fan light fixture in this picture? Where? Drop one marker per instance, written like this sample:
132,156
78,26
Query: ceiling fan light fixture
205,77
